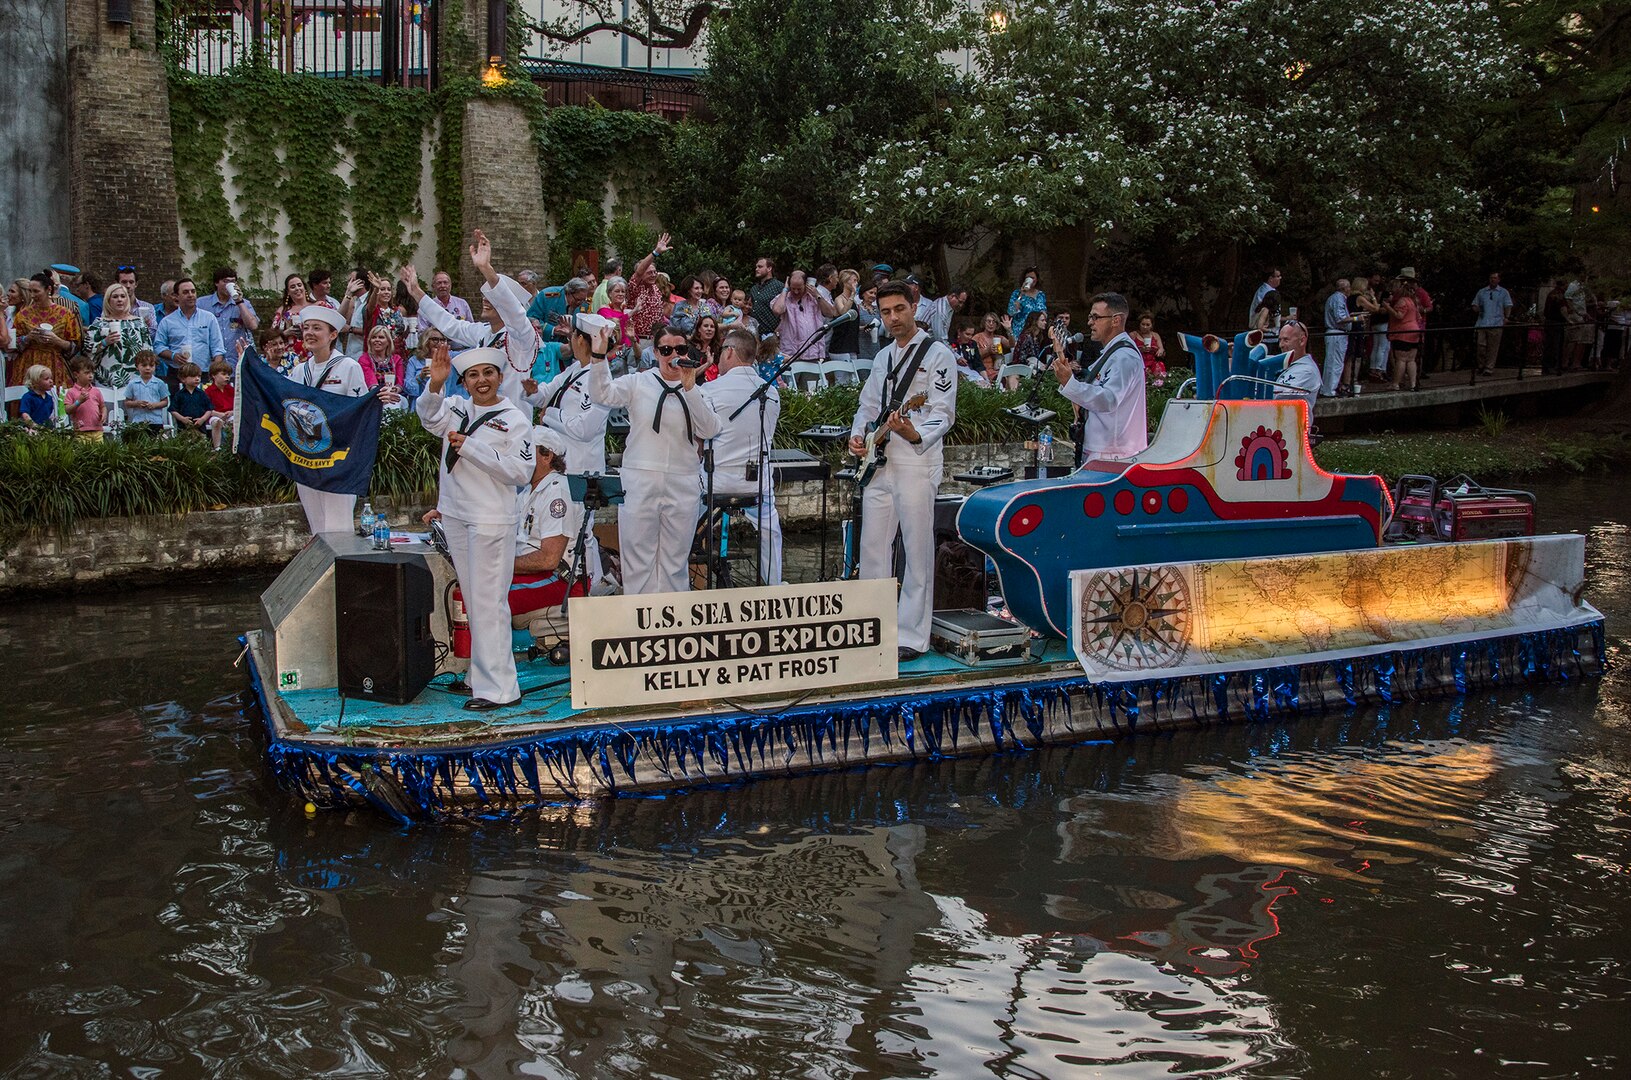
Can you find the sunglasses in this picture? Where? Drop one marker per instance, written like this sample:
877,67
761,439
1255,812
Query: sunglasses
125,269
669,350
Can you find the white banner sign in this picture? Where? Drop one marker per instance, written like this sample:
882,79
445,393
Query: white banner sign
730,643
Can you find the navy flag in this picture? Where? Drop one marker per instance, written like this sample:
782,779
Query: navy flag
325,441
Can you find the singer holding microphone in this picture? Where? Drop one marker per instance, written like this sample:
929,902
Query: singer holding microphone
661,499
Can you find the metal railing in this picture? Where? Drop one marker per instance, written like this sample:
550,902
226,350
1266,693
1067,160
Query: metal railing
671,96
386,41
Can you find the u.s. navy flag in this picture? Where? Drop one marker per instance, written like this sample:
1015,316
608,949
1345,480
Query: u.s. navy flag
323,440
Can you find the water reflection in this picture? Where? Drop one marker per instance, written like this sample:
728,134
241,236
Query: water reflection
1426,891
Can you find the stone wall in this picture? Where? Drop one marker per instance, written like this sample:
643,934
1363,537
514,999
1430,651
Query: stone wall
502,189
145,551
122,178
34,230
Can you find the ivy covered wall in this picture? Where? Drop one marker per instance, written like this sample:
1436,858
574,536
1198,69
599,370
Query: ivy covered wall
276,173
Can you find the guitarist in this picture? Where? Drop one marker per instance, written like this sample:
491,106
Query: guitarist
1110,393
900,495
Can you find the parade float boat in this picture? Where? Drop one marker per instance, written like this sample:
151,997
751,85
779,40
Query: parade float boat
1219,575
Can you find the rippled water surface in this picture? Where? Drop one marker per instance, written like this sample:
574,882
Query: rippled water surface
1439,890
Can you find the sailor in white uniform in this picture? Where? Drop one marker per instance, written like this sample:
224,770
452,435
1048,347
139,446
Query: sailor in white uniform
486,455
661,500
548,536
742,449
331,371
901,494
1112,391
1302,377
568,411
504,324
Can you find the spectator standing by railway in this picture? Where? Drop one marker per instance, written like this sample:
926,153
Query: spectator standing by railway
1493,305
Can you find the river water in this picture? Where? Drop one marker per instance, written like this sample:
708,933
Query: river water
1436,890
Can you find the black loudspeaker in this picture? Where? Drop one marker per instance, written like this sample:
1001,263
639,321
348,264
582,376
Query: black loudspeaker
382,610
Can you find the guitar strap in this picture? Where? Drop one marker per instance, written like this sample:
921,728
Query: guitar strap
899,380
1098,365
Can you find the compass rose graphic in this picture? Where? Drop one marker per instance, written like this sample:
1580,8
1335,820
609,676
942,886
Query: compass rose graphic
1136,617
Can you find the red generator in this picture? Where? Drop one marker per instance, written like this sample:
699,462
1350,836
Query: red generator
1459,509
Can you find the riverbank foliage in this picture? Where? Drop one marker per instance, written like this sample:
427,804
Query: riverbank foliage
1522,454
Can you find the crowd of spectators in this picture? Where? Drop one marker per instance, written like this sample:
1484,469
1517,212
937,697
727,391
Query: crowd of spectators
85,356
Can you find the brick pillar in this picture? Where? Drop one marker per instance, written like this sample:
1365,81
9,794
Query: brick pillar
502,189
122,180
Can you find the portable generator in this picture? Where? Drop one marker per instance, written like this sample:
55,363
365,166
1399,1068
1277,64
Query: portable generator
1459,509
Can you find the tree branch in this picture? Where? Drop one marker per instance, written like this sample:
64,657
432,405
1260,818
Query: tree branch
654,33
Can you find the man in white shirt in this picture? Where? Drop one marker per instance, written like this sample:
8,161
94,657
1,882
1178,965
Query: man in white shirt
441,287
1271,282
1302,377
912,394
1111,393
935,315
661,500
742,447
504,324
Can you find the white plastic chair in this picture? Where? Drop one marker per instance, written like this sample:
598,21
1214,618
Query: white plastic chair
114,398
806,375
863,368
1013,371
842,371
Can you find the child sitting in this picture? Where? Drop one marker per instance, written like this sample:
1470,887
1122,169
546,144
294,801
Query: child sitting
87,411
38,403
222,397
190,406
146,399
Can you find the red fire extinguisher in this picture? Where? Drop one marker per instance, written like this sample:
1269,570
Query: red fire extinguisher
461,626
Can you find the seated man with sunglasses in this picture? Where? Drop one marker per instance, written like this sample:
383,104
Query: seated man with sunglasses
661,499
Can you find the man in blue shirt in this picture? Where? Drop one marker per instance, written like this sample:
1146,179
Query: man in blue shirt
235,314
188,333
1494,305
59,272
551,306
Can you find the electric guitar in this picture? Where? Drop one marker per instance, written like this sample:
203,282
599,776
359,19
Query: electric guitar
871,458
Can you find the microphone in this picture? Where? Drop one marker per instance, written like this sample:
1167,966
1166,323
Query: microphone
839,320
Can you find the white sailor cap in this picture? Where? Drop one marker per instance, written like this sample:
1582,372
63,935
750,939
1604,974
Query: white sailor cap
472,357
324,315
586,323
549,439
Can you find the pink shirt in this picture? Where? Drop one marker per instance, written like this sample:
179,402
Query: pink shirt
800,323
84,407
1407,326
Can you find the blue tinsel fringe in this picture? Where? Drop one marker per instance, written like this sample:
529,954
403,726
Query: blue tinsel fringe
410,783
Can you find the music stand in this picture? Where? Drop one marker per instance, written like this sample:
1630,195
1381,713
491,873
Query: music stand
1031,412
593,491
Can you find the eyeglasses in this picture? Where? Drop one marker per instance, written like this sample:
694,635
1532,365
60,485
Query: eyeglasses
669,350
1111,315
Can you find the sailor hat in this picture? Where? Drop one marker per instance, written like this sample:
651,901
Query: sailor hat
585,323
549,439
323,315
474,357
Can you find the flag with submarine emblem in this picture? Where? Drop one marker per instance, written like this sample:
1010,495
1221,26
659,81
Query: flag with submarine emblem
325,441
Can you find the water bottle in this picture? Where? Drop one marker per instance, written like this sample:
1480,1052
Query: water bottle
382,534
1044,447
366,526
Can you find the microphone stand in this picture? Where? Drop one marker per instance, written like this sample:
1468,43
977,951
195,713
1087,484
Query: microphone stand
765,479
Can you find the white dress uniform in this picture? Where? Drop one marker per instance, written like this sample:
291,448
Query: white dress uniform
1112,401
737,444
1301,379
661,501
329,511
517,340
901,494
568,410
548,511
477,500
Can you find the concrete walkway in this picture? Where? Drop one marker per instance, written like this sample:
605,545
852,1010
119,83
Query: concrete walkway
1457,388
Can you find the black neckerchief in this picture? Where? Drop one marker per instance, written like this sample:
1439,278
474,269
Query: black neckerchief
657,416
471,423
321,379
555,398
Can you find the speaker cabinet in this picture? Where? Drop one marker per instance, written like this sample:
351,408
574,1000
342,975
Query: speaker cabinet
382,610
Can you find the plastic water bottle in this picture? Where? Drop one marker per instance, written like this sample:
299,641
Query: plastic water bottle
1044,447
382,534
366,525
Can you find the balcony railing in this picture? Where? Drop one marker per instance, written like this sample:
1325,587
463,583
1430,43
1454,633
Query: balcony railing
386,41
670,95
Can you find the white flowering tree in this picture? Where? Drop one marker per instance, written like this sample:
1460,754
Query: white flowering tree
1205,126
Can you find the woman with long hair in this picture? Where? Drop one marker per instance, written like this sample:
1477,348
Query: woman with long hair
1028,298
1034,347
46,332
996,344
381,358
706,339
287,316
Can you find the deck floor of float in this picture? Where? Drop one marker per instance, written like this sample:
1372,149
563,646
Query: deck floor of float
437,715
